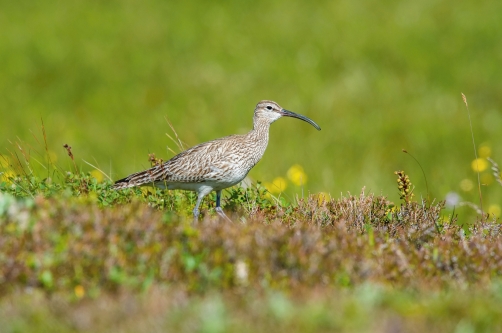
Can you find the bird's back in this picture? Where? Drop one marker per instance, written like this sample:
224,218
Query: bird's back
225,161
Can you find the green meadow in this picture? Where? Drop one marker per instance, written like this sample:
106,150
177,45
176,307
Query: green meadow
377,76
323,239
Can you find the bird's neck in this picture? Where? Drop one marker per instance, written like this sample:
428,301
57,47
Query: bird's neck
258,137
260,129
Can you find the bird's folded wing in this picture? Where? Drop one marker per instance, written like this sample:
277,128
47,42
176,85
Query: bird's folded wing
197,164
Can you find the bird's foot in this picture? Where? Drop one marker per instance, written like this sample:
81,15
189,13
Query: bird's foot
195,216
222,214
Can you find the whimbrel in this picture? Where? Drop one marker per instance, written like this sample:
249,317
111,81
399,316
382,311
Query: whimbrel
214,165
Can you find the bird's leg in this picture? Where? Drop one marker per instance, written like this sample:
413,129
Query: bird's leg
201,193
196,211
218,207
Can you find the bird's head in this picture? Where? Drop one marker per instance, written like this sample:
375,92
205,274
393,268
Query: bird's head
271,111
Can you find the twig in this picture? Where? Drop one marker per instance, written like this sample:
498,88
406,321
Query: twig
95,167
475,154
68,150
178,141
46,148
423,172
496,170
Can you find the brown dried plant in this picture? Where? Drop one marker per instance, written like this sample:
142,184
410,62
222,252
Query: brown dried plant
404,186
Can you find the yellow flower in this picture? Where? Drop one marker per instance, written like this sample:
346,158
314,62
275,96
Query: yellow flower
466,185
6,176
479,164
97,174
278,185
323,197
268,196
494,210
79,291
297,175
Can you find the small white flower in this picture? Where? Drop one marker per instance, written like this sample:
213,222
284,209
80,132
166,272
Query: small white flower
241,272
452,199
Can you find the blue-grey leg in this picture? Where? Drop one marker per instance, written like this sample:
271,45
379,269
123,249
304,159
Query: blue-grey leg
196,209
201,193
218,207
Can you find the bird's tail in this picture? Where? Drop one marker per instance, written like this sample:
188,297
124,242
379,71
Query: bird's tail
136,179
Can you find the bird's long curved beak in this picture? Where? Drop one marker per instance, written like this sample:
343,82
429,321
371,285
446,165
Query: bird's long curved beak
287,113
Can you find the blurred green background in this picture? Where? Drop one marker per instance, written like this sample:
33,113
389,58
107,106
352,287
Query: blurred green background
377,76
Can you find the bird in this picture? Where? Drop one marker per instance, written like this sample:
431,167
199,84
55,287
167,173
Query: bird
217,164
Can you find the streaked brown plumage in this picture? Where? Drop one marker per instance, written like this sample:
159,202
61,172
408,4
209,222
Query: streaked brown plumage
216,164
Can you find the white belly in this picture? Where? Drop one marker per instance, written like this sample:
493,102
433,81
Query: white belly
220,176
212,184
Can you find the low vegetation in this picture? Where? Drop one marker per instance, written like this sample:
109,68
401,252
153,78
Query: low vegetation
76,246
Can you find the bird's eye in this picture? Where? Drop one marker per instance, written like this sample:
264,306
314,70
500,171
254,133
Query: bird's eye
269,107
